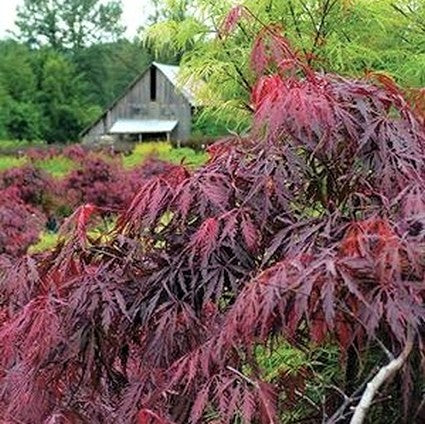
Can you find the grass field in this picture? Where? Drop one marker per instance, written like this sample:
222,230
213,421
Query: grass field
8,162
59,166
165,152
47,241
7,145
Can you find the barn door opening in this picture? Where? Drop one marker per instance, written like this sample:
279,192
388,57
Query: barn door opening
153,83
157,136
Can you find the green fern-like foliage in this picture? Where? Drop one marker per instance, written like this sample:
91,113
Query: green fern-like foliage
349,37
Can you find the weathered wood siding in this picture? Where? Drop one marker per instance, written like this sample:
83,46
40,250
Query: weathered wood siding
136,104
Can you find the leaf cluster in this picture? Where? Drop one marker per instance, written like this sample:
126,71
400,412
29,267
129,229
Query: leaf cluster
308,231
346,37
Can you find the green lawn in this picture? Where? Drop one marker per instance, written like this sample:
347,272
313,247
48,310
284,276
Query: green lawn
58,166
19,144
47,241
8,162
164,151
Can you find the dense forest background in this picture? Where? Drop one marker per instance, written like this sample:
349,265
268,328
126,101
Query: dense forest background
51,95
64,64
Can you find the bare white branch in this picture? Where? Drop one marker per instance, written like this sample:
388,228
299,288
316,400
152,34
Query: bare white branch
384,374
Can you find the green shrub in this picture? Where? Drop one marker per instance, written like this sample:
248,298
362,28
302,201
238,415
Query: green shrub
185,154
213,123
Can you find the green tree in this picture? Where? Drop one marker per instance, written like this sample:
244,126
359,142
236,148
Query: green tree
42,95
68,24
108,68
344,36
16,73
62,98
53,95
23,121
170,26
19,115
3,111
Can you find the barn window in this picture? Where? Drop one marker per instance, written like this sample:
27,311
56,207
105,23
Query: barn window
153,83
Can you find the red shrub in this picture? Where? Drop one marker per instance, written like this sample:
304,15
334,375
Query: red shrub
105,184
32,185
148,169
309,230
97,181
20,223
75,152
35,154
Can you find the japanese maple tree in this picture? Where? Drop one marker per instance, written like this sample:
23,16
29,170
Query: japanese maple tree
309,231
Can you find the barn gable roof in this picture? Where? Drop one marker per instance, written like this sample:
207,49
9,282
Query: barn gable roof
171,72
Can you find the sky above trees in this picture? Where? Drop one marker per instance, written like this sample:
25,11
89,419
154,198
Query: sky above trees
134,15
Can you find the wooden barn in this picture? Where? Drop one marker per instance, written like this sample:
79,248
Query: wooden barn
152,106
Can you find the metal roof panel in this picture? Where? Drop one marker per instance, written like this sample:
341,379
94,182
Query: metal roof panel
172,74
142,126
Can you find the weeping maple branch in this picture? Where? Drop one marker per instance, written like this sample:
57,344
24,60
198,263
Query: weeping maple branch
384,374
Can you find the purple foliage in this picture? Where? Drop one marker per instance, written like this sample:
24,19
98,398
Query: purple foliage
150,168
36,154
309,230
20,223
75,152
97,181
32,184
